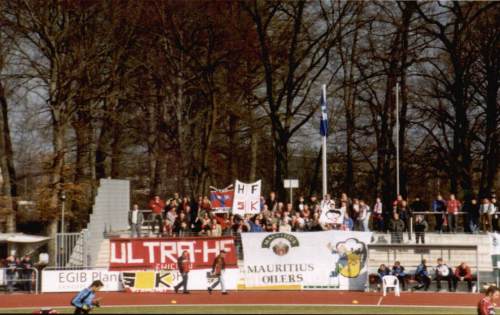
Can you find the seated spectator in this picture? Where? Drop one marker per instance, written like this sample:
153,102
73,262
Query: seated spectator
382,271
443,272
348,223
255,225
314,224
462,273
421,227
181,218
215,229
306,211
422,277
396,227
285,226
184,230
399,272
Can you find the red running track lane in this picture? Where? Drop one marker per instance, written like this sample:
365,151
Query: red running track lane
246,297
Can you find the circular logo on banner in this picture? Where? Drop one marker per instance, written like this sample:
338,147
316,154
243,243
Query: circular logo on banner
280,243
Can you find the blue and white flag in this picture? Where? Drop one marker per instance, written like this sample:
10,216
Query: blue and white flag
323,128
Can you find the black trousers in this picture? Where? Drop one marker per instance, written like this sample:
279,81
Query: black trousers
439,222
423,282
469,283
420,236
26,276
183,283
402,280
157,218
448,279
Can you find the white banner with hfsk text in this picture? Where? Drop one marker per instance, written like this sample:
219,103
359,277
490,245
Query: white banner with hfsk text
166,280
77,280
246,198
335,260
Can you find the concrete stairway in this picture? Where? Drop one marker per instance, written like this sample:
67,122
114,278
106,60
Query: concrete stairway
110,211
103,254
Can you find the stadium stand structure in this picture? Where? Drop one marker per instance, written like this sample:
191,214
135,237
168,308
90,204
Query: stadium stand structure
411,258
109,213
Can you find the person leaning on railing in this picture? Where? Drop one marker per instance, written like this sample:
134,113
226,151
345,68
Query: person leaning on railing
396,227
421,227
452,208
135,220
439,206
11,266
26,272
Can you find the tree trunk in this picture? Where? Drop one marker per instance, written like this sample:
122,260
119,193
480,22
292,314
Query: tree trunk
281,163
254,149
9,187
56,179
490,155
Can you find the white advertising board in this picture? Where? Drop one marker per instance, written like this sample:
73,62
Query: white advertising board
77,280
335,260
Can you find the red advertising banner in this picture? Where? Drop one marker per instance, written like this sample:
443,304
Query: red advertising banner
162,253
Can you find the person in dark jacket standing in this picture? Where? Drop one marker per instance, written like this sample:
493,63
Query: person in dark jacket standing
218,269
183,263
396,227
420,228
439,207
26,272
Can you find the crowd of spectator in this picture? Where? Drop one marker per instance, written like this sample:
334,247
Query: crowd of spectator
18,273
183,216
423,275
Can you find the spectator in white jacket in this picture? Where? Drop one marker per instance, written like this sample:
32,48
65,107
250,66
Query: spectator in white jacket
487,211
364,215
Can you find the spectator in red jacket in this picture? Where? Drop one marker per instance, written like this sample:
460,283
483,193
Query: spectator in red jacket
463,273
486,305
183,264
452,208
156,205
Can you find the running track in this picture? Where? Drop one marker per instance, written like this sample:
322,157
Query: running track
248,297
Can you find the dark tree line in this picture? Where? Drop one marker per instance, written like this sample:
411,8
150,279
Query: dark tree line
183,95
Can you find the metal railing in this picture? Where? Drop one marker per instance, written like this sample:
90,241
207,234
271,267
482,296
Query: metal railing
25,277
71,249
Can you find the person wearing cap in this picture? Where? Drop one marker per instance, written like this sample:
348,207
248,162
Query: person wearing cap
218,269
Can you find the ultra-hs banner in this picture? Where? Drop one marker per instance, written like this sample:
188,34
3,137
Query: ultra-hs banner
162,253
335,260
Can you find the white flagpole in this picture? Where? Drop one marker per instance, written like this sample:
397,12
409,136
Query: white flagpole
397,139
324,153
